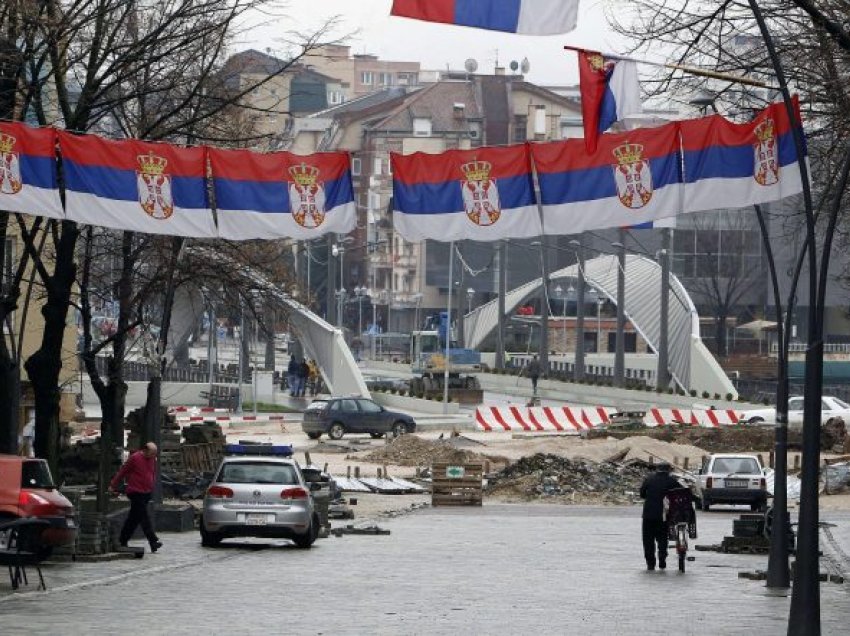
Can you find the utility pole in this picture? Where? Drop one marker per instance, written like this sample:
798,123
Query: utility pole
544,305
578,369
620,350
501,284
330,284
662,374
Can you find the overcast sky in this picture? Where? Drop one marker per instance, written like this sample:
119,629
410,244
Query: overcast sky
437,46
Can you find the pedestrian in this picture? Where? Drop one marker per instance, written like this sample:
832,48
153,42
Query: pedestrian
533,371
303,376
139,473
654,527
313,377
292,376
25,441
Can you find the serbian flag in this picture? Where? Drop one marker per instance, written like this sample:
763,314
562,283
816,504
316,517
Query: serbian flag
136,186
28,181
527,17
633,178
729,165
484,194
609,91
282,195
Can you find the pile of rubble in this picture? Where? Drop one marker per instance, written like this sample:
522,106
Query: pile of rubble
724,439
551,477
410,450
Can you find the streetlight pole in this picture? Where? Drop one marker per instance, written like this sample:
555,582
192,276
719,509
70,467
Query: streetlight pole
559,294
663,373
579,357
241,354
599,302
620,348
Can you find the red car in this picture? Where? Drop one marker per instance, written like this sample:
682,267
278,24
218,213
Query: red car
27,490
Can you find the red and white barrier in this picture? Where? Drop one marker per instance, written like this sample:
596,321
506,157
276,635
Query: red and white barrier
568,419
229,420
564,419
196,409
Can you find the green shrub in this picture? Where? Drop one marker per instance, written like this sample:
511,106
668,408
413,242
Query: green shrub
729,397
693,392
716,396
705,395
670,390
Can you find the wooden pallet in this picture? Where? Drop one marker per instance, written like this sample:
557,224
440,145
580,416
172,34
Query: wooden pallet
202,457
457,484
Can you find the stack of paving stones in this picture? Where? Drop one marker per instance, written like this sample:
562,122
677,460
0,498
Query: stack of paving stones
551,476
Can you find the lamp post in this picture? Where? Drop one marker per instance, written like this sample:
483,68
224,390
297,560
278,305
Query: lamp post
340,306
360,292
580,306
559,294
241,354
338,249
599,302
418,298
619,350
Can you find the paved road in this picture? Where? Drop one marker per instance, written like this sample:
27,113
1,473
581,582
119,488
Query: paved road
500,569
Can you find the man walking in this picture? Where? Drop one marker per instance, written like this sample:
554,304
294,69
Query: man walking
533,370
139,471
654,527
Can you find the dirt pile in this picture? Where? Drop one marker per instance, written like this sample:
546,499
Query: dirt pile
555,478
411,450
725,439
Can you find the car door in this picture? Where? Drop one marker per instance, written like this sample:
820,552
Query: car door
373,417
349,414
795,411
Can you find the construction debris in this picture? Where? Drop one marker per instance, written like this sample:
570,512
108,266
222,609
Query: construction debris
411,450
569,480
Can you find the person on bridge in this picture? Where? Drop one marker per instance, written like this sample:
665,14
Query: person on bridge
139,471
654,527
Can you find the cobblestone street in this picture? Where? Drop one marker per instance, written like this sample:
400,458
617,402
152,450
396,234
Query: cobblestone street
502,569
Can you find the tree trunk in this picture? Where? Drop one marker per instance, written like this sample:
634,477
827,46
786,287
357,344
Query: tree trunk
10,393
43,366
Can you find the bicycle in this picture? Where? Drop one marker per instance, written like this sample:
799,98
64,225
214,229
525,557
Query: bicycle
681,522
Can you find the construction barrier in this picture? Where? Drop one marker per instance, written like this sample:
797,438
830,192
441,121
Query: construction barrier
228,420
569,419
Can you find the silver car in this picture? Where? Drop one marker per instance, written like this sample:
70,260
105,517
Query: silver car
259,497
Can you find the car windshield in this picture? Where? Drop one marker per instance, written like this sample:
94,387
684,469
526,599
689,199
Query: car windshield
257,473
36,474
742,465
841,403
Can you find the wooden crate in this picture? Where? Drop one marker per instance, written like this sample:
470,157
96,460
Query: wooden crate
457,484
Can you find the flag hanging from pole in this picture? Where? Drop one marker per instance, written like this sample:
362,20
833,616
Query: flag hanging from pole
609,91
633,178
525,17
729,165
136,185
28,177
485,194
282,195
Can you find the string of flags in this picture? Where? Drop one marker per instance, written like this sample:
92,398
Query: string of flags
486,194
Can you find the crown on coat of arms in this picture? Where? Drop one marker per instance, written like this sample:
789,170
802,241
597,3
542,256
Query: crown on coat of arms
765,130
151,164
7,142
304,175
596,61
477,170
628,153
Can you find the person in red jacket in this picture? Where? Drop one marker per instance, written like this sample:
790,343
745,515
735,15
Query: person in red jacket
139,472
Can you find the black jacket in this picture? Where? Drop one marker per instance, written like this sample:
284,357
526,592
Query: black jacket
653,490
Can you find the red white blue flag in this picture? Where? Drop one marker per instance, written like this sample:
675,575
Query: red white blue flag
486,194
527,17
609,91
28,177
633,178
136,186
282,195
729,165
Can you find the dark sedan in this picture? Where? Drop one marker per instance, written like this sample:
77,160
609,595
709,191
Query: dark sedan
338,416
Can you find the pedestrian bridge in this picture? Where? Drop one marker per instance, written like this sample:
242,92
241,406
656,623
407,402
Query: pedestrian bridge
691,364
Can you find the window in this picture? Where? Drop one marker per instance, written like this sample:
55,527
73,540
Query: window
335,97
367,77
257,473
35,474
795,404
520,128
355,166
348,406
368,406
378,166
385,79
421,127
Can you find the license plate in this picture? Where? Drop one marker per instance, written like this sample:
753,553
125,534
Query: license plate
256,520
736,483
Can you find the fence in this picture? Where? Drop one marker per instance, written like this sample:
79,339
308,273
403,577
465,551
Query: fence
134,371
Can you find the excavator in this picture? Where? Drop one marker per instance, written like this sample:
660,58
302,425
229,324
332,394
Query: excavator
428,363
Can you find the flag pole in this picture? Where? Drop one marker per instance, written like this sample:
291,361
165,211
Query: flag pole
692,70
448,329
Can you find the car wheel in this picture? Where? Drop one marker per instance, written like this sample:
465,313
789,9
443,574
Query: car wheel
336,431
314,435
755,420
209,539
399,428
308,538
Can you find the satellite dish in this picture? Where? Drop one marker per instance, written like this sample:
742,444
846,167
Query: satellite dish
470,65
525,66
514,65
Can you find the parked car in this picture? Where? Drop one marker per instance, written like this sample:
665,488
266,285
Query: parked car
727,478
27,490
259,496
338,416
830,407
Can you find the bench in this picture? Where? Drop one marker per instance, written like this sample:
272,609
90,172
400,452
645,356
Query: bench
23,549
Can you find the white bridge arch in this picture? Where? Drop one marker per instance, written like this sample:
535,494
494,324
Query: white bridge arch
691,365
